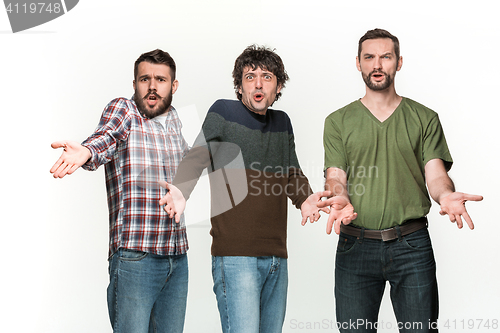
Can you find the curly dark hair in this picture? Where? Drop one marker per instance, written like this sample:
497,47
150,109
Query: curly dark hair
156,57
259,57
376,34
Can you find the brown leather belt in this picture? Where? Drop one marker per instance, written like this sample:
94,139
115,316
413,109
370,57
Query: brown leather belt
386,234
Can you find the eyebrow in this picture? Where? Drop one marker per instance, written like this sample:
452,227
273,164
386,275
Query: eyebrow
156,76
253,72
382,55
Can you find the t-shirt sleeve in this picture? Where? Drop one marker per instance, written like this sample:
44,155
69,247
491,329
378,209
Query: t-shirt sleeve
335,155
434,144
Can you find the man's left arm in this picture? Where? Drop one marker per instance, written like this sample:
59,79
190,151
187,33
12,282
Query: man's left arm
442,190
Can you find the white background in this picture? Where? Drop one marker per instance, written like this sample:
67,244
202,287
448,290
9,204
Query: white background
57,78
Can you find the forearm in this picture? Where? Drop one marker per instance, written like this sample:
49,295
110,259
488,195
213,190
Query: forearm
440,187
336,183
438,181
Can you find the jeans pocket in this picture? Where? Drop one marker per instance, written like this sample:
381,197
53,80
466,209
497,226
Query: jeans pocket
132,255
346,243
418,240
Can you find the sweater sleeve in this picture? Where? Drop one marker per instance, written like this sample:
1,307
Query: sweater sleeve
200,156
298,184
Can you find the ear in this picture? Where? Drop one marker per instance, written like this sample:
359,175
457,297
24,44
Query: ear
358,65
175,85
278,88
400,63
133,84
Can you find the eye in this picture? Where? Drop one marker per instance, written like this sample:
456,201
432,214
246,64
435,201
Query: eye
268,77
249,77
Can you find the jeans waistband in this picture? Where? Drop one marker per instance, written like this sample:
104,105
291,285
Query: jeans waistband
386,234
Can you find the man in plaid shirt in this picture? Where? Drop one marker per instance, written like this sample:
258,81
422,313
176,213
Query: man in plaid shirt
140,143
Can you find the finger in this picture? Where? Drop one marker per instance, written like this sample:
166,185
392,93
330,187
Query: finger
442,212
473,197
59,173
177,218
338,222
326,210
468,220
56,165
329,224
163,184
322,194
73,169
304,220
325,203
58,144
452,218
460,224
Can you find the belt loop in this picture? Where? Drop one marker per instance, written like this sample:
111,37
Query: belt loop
398,231
361,235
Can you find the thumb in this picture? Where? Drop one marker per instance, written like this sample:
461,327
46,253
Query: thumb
164,184
58,144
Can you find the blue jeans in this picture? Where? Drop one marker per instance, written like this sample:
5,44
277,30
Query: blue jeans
251,293
147,292
361,270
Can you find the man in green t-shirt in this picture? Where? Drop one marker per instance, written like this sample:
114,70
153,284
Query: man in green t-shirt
382,153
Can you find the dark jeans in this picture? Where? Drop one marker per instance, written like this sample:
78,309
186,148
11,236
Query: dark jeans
361,270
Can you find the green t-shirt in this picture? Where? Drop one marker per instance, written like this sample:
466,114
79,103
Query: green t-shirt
385,161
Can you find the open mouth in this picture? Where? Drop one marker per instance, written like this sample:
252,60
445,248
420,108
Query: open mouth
152,98
378,76
258,97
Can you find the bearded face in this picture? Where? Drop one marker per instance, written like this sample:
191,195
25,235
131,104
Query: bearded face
152,104
154,88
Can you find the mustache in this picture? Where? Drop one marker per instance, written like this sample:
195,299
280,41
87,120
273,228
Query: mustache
152,93
377,71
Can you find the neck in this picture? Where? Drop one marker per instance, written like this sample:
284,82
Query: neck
381,103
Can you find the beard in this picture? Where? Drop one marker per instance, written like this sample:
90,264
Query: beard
389,79
160,108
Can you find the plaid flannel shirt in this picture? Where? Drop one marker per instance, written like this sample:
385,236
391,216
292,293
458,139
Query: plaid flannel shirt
138,153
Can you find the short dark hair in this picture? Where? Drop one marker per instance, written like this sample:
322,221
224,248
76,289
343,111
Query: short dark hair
156,57
262,57
376,34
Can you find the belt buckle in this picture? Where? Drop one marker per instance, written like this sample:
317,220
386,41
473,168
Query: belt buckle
387,234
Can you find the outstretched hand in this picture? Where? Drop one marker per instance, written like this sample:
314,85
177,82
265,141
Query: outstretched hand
341,211
310,208
73,157
174,201
453,205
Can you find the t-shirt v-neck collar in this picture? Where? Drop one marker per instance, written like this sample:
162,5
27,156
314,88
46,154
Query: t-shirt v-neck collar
375,119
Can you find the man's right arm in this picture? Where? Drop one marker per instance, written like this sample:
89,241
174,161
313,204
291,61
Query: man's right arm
99,148
341,209
73,157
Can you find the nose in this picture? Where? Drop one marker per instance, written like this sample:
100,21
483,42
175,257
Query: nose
377,63
258,82
152,85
